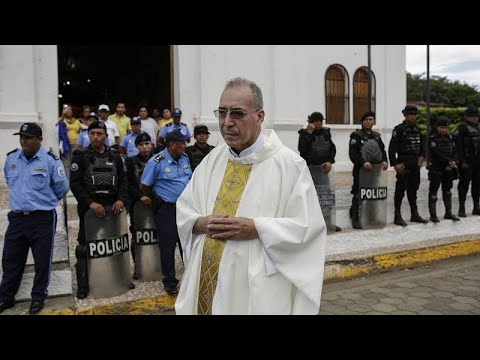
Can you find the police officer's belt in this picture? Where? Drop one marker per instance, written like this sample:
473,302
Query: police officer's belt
159,201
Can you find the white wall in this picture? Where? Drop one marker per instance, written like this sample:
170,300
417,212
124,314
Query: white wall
292,78
28,93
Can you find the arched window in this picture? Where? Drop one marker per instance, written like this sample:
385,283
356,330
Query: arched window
336,95
360,93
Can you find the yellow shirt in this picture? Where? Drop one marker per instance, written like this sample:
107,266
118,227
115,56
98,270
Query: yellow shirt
74,127
164,122
123,124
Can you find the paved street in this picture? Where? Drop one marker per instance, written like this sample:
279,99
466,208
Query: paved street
449,287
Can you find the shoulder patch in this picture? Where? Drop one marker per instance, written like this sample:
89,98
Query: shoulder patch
169,124
158,157
394,133
11,152
353,141
183,124
53,155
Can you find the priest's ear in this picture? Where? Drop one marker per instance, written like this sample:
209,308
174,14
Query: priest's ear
260,116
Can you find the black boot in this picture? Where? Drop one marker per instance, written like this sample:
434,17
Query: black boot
461,209
354,211
447,200
416,216
432,207
82,272
398,215
476,208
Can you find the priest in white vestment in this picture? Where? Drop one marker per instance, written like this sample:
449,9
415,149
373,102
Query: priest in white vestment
249,221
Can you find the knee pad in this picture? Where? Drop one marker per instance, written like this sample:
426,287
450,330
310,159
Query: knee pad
447,193
433,197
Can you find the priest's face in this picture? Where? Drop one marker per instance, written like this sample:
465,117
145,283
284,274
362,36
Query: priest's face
239,121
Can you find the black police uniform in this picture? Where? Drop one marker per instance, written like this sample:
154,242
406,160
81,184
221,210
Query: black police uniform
135,166
316,148
467,141
364,147
408,142
441,154
94,177
196,154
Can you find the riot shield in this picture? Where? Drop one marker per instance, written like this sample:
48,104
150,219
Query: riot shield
108,255
373,198
325,186
147,251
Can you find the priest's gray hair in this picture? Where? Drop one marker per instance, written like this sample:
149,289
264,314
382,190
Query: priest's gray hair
257,93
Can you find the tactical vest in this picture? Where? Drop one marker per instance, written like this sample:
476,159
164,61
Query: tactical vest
321,146
198,155
101,175
445,147
472,140
370,149
409,141
138,167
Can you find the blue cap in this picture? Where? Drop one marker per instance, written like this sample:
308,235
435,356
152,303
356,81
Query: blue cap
30,129
175,135
176,112
135,120
92,115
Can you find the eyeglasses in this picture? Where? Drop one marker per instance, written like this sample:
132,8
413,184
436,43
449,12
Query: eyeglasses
235,114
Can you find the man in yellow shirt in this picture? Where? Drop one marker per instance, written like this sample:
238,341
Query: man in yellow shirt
122,121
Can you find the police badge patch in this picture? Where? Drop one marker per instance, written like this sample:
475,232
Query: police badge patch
353,141
74,167
61,172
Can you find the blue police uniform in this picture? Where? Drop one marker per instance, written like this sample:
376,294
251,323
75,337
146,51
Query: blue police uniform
128,142
168,178
83,139
168,128
35,187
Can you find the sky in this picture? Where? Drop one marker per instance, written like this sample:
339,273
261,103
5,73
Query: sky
456,62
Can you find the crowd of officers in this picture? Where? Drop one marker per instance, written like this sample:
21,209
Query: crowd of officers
102,174
449,158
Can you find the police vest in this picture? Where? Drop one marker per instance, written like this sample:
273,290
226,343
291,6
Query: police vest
409,140
198,155
472,140
321,146
138,167
444,147
370,149
101,175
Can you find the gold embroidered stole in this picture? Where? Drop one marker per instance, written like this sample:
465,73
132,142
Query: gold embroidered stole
228,198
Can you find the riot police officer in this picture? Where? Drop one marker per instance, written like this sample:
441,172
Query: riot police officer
164,178
407,154
366,148
467,141
97,179
201,148
316,146
36,182
315,143
442,166
135,166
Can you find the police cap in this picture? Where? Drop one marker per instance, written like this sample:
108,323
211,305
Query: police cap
175,135
471,111
176,112
30,129
410,109
142,137
367,114
92,115
315,116
200,129
443,121
97,125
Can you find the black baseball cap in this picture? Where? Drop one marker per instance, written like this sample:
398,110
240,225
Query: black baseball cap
410,109
315,116
200,129
142,137
30,129
175,135
97,125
